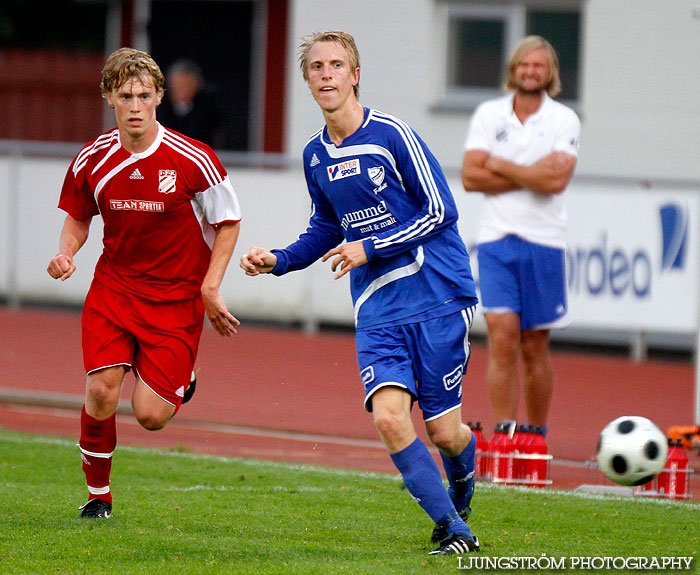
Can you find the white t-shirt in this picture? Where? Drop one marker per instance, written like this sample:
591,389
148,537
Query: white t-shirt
538,218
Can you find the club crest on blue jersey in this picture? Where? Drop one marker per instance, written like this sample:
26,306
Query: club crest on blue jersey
377,176
344,170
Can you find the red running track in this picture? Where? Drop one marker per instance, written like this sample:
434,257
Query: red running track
283,395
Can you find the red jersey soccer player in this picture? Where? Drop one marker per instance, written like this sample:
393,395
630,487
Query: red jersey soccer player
171,221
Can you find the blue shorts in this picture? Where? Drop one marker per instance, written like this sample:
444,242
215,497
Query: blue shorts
426,358
526,278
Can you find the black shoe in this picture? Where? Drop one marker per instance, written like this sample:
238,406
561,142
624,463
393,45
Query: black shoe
96,508
440,531
189,392
457,544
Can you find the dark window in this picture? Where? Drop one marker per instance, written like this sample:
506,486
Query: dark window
58,24
218,37
563,30
480,44
481,37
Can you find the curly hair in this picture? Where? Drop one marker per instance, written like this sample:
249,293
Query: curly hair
126,63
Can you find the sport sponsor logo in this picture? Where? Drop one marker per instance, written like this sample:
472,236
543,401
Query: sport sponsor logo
137,205
166,181
344,170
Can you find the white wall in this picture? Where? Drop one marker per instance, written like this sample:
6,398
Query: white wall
615,234
641,87
395,39
640,80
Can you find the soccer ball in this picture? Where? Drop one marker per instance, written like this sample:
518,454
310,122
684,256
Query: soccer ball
631,450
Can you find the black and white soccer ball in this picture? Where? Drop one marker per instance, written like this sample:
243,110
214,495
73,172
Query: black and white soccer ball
631,450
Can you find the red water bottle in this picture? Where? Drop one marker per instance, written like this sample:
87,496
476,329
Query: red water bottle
648,489
673,480
501,449
521,439
481,449
537,467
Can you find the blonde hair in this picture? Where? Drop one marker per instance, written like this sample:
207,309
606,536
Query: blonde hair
126,63
337,36
528,44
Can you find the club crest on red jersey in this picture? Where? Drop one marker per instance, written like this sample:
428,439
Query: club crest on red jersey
166,181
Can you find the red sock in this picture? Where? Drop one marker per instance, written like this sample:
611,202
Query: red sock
98,438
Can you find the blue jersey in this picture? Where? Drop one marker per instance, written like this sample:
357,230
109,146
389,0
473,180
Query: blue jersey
383,186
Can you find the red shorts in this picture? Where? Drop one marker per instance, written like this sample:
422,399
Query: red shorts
158,339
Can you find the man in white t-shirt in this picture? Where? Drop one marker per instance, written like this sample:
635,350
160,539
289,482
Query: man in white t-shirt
521,153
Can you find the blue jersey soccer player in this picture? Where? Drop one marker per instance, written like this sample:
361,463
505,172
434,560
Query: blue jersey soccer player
374,183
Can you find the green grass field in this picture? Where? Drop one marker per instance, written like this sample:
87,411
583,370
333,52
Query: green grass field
178,512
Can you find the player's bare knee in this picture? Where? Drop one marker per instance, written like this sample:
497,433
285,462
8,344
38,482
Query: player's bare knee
151,421
388,423
445,441
450,441
101,395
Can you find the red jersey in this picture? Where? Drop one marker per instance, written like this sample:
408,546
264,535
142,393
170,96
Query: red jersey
159,209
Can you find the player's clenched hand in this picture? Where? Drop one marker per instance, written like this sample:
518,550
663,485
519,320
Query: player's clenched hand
351,255
258,261
217,312
61,267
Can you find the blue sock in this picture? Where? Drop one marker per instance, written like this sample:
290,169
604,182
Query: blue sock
421,477
460,474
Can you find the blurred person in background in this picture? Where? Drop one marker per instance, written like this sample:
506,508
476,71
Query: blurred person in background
171,221
375,184
520,152
190,106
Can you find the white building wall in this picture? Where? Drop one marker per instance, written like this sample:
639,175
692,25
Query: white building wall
631,270
640,79
641,86
394,38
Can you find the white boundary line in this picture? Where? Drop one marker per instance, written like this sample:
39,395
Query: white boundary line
349,472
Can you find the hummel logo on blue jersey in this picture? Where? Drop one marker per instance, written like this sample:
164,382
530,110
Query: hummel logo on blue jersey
367,375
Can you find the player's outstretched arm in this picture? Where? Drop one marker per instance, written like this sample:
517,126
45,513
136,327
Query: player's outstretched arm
258,261
221,319
73,236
